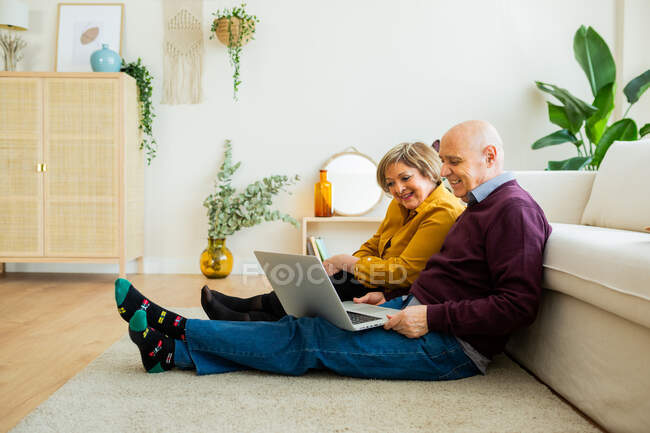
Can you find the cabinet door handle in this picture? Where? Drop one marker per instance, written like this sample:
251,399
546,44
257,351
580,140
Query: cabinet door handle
39,168
44,167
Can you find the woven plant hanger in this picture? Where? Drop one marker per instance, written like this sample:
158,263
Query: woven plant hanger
223,33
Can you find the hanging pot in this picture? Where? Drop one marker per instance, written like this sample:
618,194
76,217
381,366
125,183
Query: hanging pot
232,38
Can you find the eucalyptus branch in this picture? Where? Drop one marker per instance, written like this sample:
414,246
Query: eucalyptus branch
229,212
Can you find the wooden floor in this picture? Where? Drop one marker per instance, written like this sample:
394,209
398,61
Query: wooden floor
53,325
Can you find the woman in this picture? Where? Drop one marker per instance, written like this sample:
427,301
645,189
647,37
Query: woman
417,220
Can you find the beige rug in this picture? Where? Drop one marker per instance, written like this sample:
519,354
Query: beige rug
114,394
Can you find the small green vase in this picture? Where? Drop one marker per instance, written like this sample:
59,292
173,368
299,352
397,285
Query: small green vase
216,260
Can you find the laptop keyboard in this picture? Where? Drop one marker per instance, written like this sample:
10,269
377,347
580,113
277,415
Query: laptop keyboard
358,318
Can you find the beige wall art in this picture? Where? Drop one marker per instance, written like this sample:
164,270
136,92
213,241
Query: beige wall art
82,28
183,51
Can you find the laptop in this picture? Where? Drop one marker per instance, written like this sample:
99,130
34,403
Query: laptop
305,290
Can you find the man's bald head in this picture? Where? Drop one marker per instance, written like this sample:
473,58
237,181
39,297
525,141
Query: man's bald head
472,153
476,135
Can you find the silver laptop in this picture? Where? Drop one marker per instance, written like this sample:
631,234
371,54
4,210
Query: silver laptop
304,289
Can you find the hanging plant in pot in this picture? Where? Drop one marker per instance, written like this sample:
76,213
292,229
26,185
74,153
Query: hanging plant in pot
143,79
229,212
234,28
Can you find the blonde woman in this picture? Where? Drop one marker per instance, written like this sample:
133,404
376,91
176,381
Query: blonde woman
417,220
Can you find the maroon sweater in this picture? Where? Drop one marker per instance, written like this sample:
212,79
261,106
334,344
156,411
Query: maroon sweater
486,280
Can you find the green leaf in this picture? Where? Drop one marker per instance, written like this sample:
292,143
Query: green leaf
593,55
558,137
597,123
645,130
623,130
637,86
557,115
575,163
576,109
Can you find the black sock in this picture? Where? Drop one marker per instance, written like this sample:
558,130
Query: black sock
156,349
217,311
129,300
241,305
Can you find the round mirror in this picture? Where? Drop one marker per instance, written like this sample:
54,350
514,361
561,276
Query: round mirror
354,185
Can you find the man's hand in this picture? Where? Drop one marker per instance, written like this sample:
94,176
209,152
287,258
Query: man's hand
339,262
410,322
372,298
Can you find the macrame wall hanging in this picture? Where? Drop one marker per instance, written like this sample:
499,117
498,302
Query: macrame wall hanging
183,51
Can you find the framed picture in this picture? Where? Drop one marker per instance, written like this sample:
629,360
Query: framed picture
82,28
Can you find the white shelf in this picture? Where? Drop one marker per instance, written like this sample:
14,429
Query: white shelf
347,219
342,234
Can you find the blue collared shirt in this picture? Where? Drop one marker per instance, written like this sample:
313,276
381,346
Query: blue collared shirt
479,193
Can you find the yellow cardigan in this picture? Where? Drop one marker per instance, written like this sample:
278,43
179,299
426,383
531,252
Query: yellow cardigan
395,255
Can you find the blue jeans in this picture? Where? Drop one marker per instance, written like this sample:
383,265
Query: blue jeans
292,346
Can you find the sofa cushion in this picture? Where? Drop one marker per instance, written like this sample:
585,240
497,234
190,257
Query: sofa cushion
608,268
619,197
562,195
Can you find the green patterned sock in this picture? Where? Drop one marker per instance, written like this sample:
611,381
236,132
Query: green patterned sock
129,300
156,349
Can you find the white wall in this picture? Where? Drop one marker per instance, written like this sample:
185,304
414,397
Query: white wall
322,76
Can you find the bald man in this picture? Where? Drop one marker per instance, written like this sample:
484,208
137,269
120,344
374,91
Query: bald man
483,284
472,154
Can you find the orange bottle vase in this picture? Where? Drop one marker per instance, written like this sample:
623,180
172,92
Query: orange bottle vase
323,196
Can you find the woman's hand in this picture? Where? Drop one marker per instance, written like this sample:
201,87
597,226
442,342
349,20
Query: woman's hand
410,322
372,298
340,262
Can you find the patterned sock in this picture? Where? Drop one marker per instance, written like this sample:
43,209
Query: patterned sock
156,350
129,300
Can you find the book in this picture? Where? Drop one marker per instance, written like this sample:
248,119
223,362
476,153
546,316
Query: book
320,243
310,249
312,241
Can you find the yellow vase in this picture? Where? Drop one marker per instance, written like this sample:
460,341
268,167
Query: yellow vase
216,260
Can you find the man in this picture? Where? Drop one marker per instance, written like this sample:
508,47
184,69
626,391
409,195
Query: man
483,284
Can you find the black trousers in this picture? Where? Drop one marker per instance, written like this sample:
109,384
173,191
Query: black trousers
347,287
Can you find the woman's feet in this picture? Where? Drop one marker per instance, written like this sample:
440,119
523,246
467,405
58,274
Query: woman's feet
129,301
240,305
223,307
216,310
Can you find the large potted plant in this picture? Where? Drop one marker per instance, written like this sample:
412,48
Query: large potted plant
229,212
234,27
574,115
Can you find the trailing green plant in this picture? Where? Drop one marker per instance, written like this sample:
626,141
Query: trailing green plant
574,115
145,89
235,42
229,212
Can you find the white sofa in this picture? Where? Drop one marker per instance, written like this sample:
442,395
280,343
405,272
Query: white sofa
591,340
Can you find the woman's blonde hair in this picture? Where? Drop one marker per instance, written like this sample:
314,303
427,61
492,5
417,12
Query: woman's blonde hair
417,155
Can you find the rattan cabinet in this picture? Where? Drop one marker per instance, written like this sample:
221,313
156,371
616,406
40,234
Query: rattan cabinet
71,172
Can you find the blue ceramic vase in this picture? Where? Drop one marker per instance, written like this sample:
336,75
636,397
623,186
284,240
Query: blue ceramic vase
105,60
